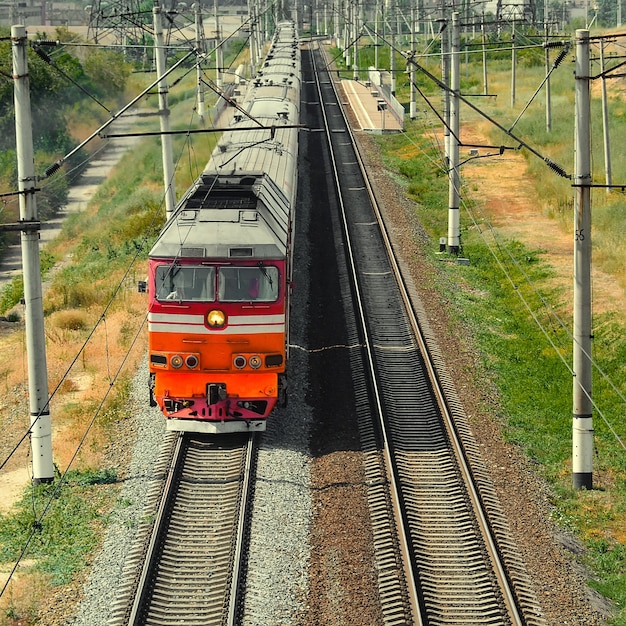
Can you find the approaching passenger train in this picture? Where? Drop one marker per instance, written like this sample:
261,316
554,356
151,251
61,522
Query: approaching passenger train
220,271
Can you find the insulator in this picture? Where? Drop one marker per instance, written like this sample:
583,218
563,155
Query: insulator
40,53
557,168
53,168
561,56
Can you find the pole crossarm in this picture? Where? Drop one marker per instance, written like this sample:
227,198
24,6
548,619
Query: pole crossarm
194,131
24,226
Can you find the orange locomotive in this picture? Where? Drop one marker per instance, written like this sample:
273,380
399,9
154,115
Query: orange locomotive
220,271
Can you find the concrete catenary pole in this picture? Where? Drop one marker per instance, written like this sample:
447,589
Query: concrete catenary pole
548,90
164,115
412,74
386,14
200,47
219,50
608,173
355,41
376,37
582,431
484,48
513,64
445,78
40,425
454,237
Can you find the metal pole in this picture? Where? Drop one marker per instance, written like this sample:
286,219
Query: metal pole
582,431
605,124
454,237
164,115
200,48
40,426
413,104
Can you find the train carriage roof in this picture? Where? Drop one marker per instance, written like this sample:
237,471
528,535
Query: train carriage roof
221,216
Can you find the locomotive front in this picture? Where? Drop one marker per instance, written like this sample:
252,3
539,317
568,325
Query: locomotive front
218,314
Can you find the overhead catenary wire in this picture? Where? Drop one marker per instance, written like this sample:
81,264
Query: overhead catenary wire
551,311
136,99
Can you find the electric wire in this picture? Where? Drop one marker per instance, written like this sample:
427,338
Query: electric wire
37,522
549,309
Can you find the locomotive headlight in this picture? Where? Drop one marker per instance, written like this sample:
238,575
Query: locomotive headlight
216,318
176,361
191,361
255,361
239,361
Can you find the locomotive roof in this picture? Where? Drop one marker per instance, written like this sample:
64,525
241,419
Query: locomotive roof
222,217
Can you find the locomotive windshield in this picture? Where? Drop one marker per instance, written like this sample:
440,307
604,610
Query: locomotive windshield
234,284
185,282
244,284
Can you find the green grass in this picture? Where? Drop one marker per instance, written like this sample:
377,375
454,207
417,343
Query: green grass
60,524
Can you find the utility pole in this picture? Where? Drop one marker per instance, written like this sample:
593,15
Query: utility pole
413,104
200,47
582,428
454,236
605,124
164,115
39,402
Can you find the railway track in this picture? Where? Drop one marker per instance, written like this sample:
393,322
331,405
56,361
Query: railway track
187,568
450,559
442,550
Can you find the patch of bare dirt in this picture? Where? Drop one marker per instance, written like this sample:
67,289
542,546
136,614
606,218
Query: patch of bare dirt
513,204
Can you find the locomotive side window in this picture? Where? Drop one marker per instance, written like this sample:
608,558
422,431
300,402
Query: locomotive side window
184,282
247,284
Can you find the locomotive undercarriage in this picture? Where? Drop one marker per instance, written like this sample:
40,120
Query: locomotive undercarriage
217,410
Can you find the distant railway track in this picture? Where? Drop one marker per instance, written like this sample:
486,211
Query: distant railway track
187,568
449,559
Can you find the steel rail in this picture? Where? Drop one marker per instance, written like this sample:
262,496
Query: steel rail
481,516
239,552
224,546
404,543
149,562
479,510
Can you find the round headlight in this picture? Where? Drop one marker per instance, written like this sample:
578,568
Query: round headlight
239,362
216,318
176,361
255,361
191,361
